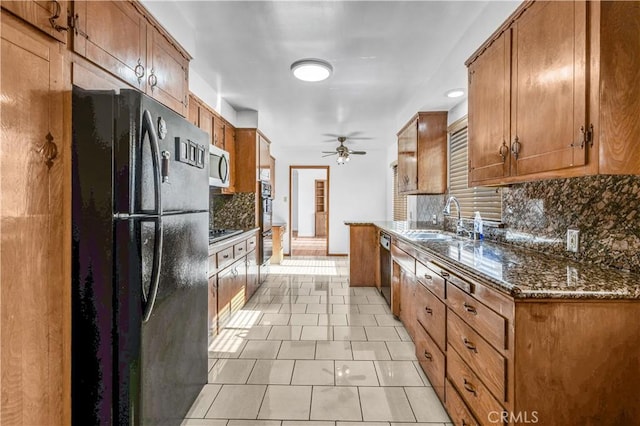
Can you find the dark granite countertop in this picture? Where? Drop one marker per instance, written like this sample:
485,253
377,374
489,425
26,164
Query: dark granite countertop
239,236
523,273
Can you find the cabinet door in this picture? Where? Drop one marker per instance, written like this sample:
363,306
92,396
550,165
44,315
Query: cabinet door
432,153
489,112
35,244
194,111
408,158
113,35
213,308
168,73
239,292
407,305
47,16
225,290
264,159
230,147
549,87
218,133
206,122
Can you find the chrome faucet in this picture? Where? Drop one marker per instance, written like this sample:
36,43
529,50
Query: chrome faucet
447,211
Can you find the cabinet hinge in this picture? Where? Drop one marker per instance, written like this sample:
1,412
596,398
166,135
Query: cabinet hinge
73,21
587,136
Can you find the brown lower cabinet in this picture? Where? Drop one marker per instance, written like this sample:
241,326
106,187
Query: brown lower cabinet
497,360
233,278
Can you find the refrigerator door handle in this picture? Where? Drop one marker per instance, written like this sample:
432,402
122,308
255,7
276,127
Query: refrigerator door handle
148,127
150,299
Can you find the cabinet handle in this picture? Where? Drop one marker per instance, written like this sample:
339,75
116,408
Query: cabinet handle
504,151
139,71
469,388
429,311
469,345
515,147
49,150
444,274
55,15
226,256
428,277
240,249
470,308
153,80
428,356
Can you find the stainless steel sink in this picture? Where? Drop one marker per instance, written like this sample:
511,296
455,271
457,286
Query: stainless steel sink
425,235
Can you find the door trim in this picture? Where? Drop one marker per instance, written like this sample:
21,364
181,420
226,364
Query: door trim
328,178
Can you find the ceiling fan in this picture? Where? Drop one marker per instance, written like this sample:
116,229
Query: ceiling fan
342,151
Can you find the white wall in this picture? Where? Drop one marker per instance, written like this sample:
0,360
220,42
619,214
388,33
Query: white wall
306,200
392,156
357,190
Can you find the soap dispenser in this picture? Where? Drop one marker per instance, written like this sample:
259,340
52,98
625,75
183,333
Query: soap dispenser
477,227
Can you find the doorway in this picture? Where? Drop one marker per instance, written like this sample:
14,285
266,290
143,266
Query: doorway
309,210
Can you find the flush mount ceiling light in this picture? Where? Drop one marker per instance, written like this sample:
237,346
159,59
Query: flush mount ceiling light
311,69
455,93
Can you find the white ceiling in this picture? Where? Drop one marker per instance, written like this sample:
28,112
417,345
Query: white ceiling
390,58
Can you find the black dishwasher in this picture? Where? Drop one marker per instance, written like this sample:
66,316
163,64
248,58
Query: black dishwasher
385,266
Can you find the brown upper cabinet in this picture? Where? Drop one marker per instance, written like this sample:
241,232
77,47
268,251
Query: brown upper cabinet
538,112
422,154
47,16
252,159
123,39
219,133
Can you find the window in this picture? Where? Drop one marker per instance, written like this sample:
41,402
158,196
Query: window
488,201
399,200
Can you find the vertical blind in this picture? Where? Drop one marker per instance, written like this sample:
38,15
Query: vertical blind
488,201
399,201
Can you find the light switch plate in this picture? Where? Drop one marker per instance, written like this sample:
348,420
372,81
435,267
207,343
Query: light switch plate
572,240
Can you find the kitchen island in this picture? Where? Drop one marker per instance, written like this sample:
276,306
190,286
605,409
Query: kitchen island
507,335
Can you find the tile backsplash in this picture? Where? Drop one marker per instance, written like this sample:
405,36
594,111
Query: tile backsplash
605,209
234,211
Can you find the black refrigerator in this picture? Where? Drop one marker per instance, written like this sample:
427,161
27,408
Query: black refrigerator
139,273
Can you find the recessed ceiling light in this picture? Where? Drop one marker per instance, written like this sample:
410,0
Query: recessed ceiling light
311,69
455,93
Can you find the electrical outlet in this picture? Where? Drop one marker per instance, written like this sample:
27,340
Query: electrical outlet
572,240
434,219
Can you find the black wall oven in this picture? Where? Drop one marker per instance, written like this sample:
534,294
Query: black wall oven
266,202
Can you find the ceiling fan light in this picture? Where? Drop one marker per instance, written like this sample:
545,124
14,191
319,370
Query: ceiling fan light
340,160
347,158
311,70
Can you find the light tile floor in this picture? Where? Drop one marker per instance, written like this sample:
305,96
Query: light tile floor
309,350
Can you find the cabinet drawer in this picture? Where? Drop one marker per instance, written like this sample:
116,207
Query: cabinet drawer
432,314
484,360
486,322
431,279
457,410
431,359
240,249
224,257
251,244
472,391
403,259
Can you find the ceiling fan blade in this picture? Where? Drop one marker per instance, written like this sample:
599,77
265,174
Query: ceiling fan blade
359,138
329,155
329,152
331,135
357,152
